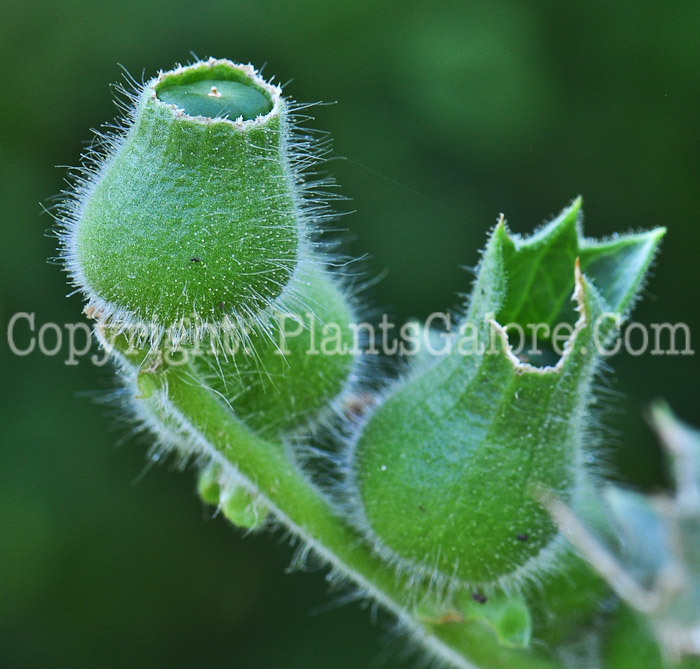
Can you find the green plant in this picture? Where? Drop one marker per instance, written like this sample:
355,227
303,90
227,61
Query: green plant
447,494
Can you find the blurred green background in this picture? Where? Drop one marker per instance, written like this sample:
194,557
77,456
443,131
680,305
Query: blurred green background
447,114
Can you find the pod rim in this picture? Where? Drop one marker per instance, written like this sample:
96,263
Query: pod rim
203,70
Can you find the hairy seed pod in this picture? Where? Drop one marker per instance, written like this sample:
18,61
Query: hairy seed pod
443,478
284,378
193,242
194,212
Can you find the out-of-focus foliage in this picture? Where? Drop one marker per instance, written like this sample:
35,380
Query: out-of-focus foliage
446,115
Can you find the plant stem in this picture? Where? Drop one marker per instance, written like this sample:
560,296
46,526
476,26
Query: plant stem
266,467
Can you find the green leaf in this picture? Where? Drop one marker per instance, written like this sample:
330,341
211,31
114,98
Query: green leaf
630,643
655,565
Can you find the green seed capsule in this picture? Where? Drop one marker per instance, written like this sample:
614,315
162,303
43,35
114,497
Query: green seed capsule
194,214
445,473
195,227
289,375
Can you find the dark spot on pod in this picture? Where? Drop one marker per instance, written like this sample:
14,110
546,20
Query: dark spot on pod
357,405
522,537
479,597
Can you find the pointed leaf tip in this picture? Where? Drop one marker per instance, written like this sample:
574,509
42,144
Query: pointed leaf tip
618,266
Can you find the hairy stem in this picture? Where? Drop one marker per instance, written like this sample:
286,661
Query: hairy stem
265,466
